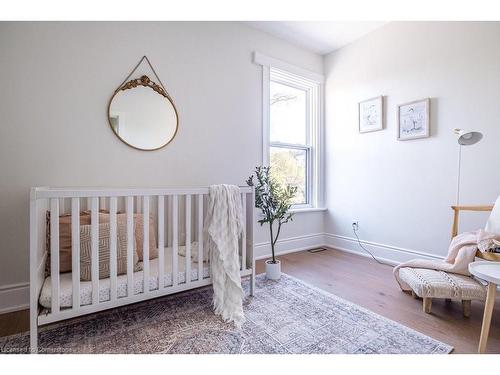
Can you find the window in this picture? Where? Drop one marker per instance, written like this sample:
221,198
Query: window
289,149
291,128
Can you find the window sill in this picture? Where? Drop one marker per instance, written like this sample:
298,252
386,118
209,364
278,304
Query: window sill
301,210
308,209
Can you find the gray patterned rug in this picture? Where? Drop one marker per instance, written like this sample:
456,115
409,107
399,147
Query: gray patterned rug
285,316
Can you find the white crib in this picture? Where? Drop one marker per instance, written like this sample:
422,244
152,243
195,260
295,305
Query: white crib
179,217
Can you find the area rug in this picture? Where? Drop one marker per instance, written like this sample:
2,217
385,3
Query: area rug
285,316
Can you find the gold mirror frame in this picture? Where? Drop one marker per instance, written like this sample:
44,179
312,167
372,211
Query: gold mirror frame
145,81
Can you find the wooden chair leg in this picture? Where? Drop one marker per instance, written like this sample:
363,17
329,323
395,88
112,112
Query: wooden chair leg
427,305
488,310
466,308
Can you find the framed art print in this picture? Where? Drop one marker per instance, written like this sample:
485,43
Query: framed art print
414,120
371,115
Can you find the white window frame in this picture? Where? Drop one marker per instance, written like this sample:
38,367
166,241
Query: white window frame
313,84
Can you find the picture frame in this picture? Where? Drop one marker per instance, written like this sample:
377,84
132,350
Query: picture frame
371,115
414,120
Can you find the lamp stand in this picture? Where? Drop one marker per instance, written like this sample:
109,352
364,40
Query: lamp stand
458,175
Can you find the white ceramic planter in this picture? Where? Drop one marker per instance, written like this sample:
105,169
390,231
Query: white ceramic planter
273,270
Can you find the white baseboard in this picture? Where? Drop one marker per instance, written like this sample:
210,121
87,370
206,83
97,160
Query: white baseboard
392,255
289,245
14,297
385,253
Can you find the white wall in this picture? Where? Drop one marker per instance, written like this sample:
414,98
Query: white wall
57,79
401,191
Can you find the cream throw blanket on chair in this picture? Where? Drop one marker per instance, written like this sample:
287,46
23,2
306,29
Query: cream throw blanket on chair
461,253
224,223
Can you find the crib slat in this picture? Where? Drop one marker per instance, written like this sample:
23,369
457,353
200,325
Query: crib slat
130,246
94,236
161,242
145,247
244,234
200,237
188,239
75,250
175,239
169,237
112,247
54,254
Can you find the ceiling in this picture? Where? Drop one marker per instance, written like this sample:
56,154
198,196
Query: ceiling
319,37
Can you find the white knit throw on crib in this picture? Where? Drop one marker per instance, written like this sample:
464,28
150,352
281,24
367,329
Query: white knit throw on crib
224,223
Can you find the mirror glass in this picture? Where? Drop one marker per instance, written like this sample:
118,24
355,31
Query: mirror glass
142,115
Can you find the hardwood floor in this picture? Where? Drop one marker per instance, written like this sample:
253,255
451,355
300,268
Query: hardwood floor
14,322
371,285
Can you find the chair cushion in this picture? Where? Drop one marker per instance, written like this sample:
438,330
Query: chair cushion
439,284
493,223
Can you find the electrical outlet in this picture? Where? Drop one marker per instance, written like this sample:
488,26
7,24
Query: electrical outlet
355,225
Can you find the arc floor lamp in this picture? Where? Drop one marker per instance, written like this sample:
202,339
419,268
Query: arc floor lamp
464,138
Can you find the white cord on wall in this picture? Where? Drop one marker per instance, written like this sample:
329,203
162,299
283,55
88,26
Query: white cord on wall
355,230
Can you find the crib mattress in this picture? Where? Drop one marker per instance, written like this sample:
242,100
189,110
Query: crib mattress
66,284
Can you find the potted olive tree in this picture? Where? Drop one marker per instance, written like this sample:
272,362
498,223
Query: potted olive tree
274,201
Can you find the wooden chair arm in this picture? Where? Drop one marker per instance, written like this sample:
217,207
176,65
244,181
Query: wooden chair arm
472,208
456,211
454,230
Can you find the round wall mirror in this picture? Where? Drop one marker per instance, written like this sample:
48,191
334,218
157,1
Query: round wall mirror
142,115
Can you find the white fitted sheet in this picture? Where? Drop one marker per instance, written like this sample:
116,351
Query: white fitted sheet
66,284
